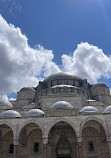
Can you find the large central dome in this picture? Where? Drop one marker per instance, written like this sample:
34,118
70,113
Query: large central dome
62,75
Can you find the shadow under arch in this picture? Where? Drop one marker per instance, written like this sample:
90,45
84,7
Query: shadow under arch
6,140
30,140
62,140
98,120
94,133
10,125
24,123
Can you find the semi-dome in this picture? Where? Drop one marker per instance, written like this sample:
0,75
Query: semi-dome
61,105
10,113
62,75
98,85
108,109
89,109
5,104
27,89
35,112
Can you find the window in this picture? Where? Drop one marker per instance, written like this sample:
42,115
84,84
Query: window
91,146
36,147
11,147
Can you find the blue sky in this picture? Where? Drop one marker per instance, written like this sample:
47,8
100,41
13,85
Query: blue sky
60,25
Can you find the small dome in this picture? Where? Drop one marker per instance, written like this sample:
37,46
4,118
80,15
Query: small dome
27,89
98,85
10,113
108,109
89,109
5,104
35,112
61,105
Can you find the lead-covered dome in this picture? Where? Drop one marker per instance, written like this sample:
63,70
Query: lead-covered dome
61,105
107,110
89,109
35,112
5,104
27,89
62,75
98,85
10,113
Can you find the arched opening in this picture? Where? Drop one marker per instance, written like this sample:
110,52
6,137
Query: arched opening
62,141
30,141
6,141
94,143
63,147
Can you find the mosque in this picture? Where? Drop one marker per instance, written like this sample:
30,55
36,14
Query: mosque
63,117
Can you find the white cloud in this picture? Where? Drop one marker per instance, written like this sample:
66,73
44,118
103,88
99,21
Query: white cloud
89,62
4,96
21,65
12,99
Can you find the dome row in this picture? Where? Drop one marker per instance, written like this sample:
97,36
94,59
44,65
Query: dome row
91,109
15,114
56,106
60,105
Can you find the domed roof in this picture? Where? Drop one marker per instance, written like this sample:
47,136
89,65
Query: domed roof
108,109
62,75
61,105
89,109
27,89
10,113
98,85
35,112
5,104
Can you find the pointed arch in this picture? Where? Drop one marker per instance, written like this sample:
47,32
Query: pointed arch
93,118
10,125
24,123
52,123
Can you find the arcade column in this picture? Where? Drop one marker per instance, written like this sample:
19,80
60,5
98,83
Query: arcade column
109,143
79,149
16,142
45,145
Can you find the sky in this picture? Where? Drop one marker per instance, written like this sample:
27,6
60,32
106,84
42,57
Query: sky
40,37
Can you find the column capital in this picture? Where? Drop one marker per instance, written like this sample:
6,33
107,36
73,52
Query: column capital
15,139
79,139
45,140
108,139
16,142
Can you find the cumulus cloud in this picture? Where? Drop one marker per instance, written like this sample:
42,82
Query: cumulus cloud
89,62
4,96
12,99
21,65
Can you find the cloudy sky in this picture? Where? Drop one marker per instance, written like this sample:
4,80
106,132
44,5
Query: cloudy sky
40,37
